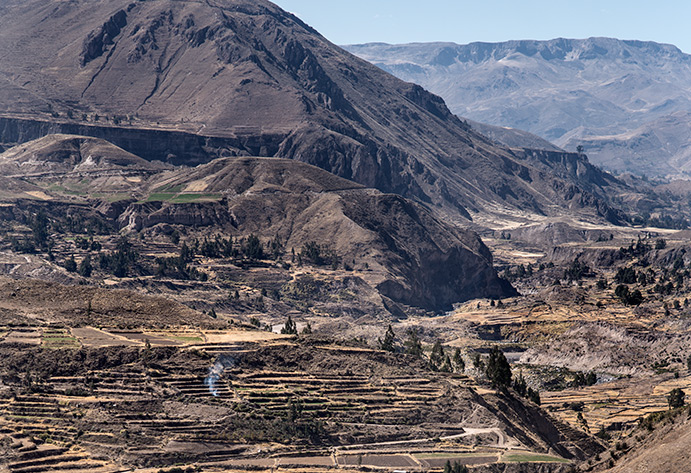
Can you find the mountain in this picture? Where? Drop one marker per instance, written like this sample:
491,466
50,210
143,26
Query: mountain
67,154
190,81
409,255
620,100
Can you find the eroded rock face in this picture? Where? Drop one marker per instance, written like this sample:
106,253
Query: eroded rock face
98,40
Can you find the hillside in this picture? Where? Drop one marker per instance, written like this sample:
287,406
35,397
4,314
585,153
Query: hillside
265,84
411,256
421,260
621,100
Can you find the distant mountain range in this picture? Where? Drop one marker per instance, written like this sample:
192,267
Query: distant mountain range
628,103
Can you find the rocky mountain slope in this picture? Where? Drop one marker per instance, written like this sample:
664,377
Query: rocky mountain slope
412,257
187,81
624,101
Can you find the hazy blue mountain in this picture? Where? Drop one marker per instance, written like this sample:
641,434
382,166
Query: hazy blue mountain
627,102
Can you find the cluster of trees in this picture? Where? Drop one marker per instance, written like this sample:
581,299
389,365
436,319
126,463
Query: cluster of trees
627,296
676,398
663,221
250,247
40,236
439,359
291,328
318,255
85,267
497,368
583,379
521,271
523,390
253,249
638,248
577,271
121,261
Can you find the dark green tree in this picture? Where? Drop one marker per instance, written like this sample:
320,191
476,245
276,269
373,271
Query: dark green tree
436,358
39,230
519,385
477,361
446,366
388,343
253,248
71,265
455,467
289,328
458,362
185,253
628,297
534,396
498,370
412,345
85,267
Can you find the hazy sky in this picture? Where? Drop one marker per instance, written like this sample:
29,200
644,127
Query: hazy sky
461,21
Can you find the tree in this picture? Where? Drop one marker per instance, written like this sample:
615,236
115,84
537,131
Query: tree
253,248
534,396
85,267
446,366
39,230
520,386
458,361
412,345
71,265
676,398
289,328
580,149
307,330
436,358
498,369
477,361
388,343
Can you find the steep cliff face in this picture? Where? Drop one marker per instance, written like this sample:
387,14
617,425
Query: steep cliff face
241,77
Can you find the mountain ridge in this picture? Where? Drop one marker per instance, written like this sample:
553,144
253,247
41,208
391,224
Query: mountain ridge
569,91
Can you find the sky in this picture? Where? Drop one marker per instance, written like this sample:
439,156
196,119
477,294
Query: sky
462,21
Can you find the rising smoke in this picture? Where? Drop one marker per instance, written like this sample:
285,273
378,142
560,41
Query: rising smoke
222,362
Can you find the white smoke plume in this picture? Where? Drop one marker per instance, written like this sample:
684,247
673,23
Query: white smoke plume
215,372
